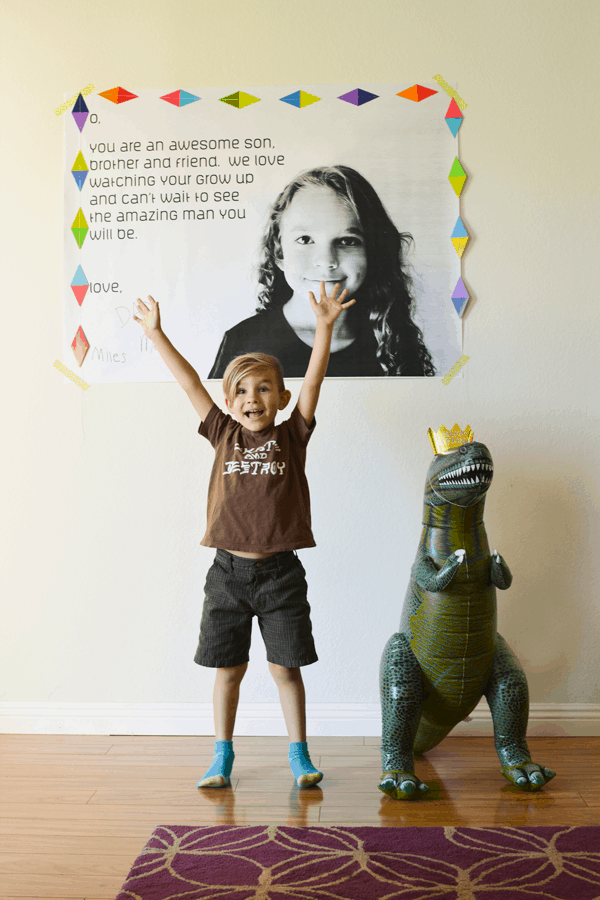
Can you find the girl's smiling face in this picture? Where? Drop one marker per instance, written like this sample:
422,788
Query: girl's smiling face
321,240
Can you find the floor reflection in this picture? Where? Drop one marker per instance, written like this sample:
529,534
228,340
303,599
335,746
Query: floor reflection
432,808
222,802
300,801
461,794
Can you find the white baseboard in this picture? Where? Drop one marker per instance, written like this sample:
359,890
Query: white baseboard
261,719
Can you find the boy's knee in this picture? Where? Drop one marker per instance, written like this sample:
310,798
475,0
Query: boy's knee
232,674
284,674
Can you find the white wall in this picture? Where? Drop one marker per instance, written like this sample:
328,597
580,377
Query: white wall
105,491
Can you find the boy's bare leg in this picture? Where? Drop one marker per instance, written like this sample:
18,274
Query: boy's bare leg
226,695
291,694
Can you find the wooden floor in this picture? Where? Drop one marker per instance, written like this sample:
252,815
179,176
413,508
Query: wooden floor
76,811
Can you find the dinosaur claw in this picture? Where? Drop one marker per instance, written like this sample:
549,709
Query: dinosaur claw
391,792
527,776
399,794
388,787
401,786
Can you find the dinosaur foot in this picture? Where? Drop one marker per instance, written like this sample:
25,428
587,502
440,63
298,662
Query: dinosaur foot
402,785
528,776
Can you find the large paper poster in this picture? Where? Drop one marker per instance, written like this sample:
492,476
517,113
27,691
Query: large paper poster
193,196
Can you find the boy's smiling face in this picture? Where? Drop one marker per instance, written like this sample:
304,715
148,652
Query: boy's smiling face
257,400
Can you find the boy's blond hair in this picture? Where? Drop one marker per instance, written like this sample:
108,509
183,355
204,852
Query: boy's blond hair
244,365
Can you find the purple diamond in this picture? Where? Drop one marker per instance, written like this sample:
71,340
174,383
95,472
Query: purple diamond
358,97
80,112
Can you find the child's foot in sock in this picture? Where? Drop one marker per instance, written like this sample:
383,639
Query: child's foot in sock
302,769
220,770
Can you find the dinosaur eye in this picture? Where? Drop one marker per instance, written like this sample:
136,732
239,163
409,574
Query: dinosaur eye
464,450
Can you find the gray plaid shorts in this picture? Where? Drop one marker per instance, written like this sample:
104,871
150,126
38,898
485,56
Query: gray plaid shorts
273,589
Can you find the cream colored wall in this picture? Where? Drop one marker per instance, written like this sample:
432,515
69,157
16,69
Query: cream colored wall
104,493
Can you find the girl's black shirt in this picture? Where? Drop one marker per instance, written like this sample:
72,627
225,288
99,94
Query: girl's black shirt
270,332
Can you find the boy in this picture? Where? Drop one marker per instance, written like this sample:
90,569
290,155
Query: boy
258,515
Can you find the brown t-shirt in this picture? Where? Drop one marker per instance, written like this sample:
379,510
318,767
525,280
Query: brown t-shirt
258,498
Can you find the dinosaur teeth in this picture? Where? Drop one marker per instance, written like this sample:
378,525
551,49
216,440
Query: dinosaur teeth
467,475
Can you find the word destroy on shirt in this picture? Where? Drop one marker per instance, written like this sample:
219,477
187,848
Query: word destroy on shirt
252,468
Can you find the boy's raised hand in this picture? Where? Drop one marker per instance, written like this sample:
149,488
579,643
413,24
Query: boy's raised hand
149,316
329,307
327,310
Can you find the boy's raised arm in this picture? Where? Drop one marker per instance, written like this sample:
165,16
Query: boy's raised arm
326,310
186,375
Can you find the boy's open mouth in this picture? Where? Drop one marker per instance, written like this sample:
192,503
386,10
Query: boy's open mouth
254,413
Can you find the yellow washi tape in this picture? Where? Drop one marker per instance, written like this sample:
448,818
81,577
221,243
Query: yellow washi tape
68,103
455,368
82,384
449,91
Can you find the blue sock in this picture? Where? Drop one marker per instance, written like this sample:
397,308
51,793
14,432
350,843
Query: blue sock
302,769
222,764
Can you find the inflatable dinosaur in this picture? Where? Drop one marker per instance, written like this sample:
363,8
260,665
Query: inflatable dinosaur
448,654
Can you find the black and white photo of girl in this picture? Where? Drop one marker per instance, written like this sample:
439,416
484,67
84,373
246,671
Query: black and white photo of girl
329,224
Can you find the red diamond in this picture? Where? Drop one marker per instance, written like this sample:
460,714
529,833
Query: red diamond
118,95
80,346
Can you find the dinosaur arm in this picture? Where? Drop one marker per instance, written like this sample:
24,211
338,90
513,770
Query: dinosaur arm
499,572
430,578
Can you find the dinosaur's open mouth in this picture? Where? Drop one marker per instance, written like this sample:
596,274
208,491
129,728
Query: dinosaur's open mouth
471,474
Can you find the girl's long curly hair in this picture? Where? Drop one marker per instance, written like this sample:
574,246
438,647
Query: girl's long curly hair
384,300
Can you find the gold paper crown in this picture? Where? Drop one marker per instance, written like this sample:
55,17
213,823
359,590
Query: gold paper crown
443,441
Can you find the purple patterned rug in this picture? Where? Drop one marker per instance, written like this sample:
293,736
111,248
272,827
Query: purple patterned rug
273,862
